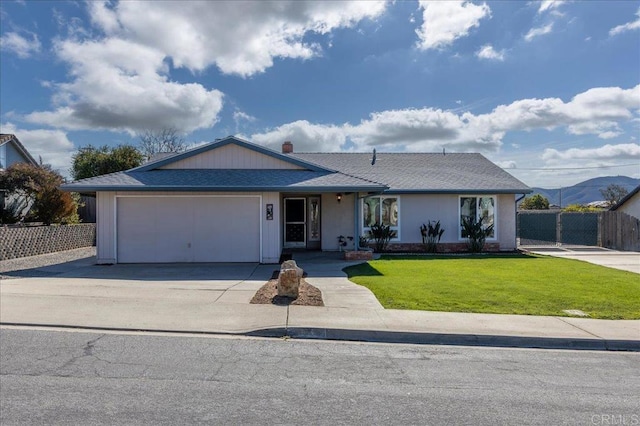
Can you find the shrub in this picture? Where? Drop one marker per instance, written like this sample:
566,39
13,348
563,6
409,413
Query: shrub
431,235
363,242
381,234
38,187
476,233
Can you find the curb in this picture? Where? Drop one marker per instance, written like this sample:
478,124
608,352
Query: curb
420,338
376,336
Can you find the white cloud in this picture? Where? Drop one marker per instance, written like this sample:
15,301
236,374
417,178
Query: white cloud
119,85
549,5
307,137
23,47
238,37
121,81
52,145
446,21
242,116
488,52
536,32
507,164
629,26
425,129
627,151
596,111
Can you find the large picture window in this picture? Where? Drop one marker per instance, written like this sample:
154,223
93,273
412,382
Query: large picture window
481,208
384,210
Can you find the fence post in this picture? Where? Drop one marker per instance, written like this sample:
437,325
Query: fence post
599,237
559,228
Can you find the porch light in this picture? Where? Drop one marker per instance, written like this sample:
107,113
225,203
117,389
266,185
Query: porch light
338,197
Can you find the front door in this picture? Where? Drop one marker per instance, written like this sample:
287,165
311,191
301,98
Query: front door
295,222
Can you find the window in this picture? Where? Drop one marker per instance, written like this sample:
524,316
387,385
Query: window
481,208
3,156
384,210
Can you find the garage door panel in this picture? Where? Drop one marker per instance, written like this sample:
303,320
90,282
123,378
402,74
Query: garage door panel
136,230
174,230
230,230
188,229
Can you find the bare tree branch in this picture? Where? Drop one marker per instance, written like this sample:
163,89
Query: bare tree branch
165,140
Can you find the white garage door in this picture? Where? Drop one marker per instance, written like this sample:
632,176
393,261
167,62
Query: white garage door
188,229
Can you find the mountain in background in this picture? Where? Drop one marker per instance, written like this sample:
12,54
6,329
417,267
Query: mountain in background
585,192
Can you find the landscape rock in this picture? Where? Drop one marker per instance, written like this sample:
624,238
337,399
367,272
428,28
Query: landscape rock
289,279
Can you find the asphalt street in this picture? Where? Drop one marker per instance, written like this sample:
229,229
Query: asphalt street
62,377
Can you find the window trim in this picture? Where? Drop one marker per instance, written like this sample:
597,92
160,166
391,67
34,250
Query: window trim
364,230
495,214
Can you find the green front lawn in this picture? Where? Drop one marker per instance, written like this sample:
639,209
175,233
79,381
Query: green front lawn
501,284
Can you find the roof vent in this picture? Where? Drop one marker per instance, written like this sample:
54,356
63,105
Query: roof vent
287,147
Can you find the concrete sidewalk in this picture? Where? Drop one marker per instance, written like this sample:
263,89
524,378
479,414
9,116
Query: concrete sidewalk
623,260
185,298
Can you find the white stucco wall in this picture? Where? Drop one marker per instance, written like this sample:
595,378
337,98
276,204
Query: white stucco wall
106,222
337,219
416,209
507,221
632,206
419,208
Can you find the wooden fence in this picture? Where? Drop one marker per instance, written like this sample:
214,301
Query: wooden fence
619,231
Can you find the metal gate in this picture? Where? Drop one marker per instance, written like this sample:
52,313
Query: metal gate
579,228
537,227
542,227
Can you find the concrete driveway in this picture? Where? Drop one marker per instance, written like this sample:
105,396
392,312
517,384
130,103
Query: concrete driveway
163,296
623,260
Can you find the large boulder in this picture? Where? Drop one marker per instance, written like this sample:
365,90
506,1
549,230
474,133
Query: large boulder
289,279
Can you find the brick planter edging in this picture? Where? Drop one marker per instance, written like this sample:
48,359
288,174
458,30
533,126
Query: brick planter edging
26,241
358,255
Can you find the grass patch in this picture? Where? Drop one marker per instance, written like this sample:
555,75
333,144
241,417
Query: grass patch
513,284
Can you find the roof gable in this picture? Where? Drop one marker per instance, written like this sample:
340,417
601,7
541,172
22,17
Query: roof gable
231,153
12,140
626,198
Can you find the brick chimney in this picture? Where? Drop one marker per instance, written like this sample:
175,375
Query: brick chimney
287,147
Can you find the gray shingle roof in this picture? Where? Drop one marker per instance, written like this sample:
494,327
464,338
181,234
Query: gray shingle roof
224,180
326,172
423,172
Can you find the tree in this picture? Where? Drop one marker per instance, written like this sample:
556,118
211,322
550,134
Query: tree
153,142
38,186
613,194
535,202
90,161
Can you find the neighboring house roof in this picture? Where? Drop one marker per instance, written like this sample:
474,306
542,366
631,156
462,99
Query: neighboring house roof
339,172
423,172
7,138
626,198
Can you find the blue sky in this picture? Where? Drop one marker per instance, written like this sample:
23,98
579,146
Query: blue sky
549,90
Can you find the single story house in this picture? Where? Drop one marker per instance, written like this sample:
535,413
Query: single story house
630,204
12,152
235,201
